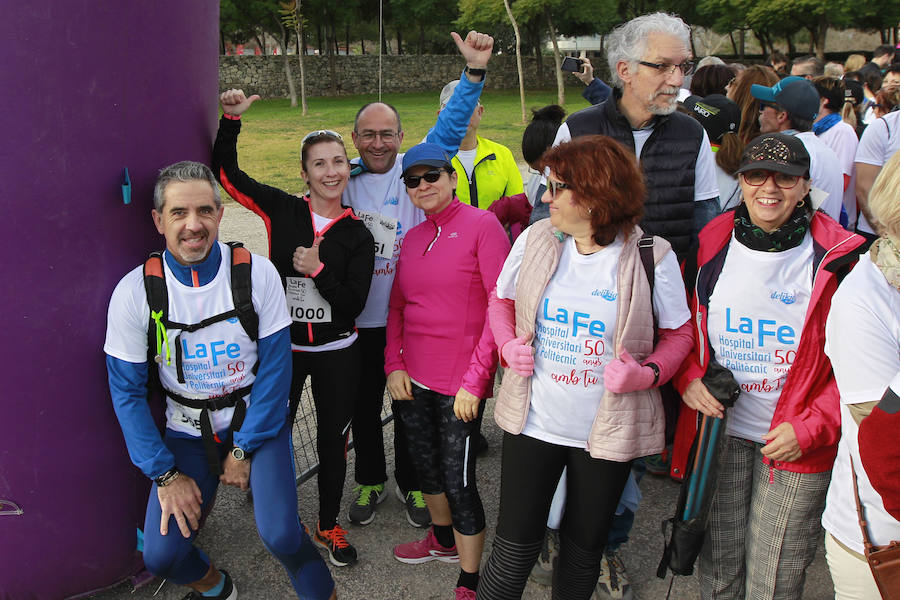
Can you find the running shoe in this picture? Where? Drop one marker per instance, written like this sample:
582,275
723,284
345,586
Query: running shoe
416,510
613,581
425,550
464,593
543,568
340,552
229,592
368,497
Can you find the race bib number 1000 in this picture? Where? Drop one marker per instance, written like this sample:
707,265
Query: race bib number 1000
304,301
383,229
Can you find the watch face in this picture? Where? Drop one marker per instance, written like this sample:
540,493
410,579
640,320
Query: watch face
238,454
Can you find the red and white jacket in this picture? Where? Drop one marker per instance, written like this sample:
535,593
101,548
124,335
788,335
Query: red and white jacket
809,400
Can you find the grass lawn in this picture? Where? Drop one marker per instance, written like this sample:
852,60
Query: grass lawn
269,145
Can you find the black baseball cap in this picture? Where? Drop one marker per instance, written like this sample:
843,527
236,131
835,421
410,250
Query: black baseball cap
778,152
716,113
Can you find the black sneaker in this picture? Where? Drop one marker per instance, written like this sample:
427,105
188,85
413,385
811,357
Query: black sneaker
340,552
362,511
229,592
416,510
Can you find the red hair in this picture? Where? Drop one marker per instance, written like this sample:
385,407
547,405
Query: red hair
605,180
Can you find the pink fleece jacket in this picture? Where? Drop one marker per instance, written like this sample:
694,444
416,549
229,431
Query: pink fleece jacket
437,329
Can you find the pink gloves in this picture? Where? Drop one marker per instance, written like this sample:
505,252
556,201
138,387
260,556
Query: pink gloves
519,355
626,375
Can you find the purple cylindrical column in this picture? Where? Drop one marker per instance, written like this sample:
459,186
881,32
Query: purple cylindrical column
89,88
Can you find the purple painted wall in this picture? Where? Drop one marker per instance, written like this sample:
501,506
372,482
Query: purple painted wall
89,87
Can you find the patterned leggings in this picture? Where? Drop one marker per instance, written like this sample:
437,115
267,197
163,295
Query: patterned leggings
442,450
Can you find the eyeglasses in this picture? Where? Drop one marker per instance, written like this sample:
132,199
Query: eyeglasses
387,136
322,133
757,177
412,181
764,105
687,67
555,186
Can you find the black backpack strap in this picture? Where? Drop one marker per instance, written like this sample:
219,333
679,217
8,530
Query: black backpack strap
242,289
158,300
645,248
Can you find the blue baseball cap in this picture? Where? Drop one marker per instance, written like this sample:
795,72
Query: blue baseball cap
797,95
427,154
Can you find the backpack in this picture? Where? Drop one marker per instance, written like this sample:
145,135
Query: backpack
158,345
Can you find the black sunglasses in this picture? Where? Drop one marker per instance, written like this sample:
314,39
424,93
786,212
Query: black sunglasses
412,181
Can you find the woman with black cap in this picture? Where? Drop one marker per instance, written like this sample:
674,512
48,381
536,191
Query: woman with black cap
765,277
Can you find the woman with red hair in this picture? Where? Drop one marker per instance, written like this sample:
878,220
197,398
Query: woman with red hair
576,313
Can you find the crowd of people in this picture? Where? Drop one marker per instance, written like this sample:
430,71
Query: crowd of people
736,220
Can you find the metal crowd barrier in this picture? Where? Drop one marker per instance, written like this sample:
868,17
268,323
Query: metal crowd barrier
306,458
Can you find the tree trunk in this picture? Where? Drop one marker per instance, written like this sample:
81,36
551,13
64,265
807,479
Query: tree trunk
820,38
421,38
693,47
285,36
362,44
515,26
319,39
347,37
734,49
557,59
301,50
260,43
743,39
399,41
792,49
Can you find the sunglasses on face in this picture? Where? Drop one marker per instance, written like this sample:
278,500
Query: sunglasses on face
764,105
757,177
555,186
412,181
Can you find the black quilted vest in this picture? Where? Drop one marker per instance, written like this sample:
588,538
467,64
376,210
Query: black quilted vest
667,160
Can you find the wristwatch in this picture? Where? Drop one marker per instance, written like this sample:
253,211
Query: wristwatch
476,72
655,368
167,477
237,453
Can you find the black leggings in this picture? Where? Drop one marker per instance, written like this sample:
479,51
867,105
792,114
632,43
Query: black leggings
530,471
335,379
368,440
442,450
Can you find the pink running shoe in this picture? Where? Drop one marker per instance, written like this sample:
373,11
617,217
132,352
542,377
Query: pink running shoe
425,550
464,593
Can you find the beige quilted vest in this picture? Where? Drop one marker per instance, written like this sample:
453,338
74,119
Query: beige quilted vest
626,425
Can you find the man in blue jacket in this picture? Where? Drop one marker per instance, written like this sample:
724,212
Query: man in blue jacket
225,368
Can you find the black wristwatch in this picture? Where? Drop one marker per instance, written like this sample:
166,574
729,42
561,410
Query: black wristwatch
476,72
237,453
655,368
167,477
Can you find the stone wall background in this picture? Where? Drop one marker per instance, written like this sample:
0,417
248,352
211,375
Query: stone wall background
264,75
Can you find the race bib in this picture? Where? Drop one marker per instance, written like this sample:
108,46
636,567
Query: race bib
304,301
383,229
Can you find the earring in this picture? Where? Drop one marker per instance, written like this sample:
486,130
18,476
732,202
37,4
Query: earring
801,204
